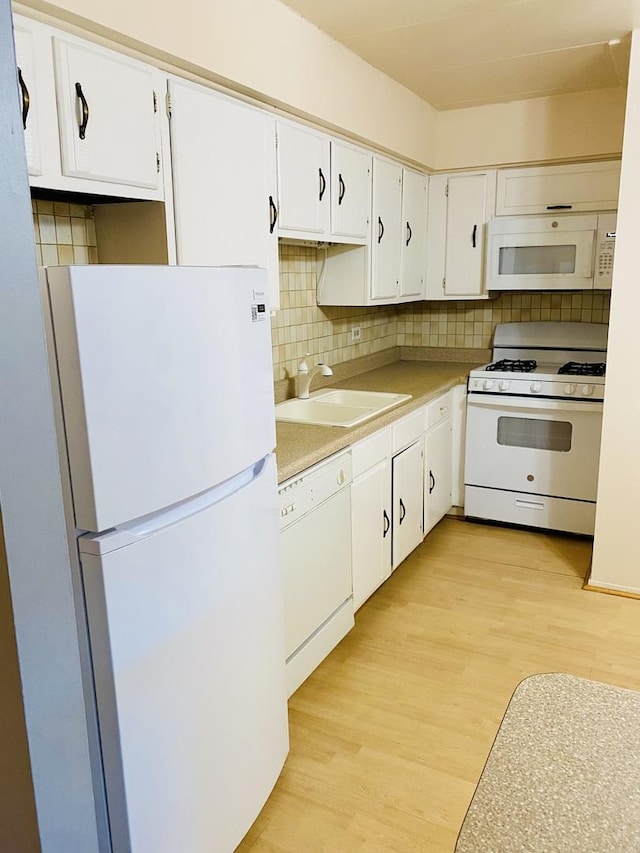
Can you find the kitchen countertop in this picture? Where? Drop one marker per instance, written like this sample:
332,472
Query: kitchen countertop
302,445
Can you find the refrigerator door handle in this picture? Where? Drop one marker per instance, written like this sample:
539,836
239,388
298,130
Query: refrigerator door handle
157,520
131,531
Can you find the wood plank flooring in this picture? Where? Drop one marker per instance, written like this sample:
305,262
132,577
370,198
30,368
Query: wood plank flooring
390,734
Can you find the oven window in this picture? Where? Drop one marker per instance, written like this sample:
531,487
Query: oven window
536,434
537,260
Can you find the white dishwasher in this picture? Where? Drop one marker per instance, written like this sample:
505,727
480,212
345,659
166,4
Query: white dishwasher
315,523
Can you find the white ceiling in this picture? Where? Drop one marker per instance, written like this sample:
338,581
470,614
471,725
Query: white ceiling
458,53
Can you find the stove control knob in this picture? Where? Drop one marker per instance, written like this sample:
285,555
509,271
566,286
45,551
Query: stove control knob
504,384
487,384
570,388
536,387
587,390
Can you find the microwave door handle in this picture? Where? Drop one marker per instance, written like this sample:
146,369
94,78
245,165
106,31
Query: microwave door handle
529,405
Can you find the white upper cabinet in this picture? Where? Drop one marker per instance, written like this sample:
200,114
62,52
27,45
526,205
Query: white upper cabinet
386,238
70,88
303,182
107,106
414,235
460,207
391,268
350,192
224,175
29,91
571,188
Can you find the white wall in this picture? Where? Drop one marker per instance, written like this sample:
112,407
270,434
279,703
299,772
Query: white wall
616,554
266,48
563,127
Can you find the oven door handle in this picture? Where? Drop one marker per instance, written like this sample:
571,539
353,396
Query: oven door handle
529,404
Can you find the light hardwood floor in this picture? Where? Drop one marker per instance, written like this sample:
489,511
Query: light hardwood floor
390,734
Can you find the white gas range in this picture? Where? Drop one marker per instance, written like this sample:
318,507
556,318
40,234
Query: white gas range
534,418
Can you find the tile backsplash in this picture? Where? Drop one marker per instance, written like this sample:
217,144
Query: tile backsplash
64,233
471,324
302,326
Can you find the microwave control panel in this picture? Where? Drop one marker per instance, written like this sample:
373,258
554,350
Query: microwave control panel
605,247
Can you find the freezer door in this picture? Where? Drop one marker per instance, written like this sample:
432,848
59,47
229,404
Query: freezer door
186,630
166,382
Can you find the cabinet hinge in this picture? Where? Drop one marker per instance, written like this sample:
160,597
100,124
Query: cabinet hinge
446,190
444,283
157,162
155,103
169,105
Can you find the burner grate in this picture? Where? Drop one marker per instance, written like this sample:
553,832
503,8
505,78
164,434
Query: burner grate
578,368
514,365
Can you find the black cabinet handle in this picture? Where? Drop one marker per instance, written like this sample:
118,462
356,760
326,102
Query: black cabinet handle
380,229
82,127
432,482
323,184
409,234
26,100
403,511
273,214
387,523
559,206
473,236
341,189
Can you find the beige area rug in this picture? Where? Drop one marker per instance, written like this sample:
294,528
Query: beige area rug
563,773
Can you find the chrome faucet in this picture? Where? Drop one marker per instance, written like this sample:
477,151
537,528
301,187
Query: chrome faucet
304,377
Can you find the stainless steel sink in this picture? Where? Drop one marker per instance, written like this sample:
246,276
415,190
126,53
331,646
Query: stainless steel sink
340,407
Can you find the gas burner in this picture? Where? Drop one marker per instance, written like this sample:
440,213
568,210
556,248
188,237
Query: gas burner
577,368
514,365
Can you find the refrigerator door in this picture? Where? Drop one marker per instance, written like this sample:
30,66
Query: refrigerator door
186,631
166,382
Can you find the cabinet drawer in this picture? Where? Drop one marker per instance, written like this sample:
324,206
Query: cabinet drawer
368,452
407,430
438,410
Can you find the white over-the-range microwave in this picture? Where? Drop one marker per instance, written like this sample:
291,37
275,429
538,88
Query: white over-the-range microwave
570,252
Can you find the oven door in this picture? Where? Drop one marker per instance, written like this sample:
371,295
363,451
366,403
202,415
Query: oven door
532,445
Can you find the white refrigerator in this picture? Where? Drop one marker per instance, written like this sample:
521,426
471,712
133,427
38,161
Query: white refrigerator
166,410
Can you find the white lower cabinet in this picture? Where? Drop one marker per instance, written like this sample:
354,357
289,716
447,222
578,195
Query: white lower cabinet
371,514
438,468
386,502
458,431
407,502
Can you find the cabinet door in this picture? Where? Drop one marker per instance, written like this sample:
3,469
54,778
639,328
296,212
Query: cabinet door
436,237
465,235
303,181
107,115
224,174
407,493
371,530
29,96
414,234
350,192
571,188
385,231
437,481
458,432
